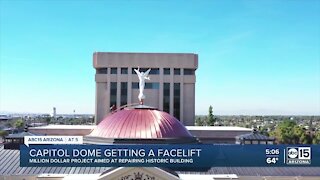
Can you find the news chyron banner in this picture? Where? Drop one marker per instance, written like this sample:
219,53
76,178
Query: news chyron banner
64,151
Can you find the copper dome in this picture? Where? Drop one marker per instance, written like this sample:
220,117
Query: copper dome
140,123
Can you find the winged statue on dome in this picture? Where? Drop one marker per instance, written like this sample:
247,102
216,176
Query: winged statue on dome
143,76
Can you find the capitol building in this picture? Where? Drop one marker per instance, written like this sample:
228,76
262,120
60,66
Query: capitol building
163,114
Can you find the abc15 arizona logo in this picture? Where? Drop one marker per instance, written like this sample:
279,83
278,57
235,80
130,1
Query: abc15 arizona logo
298,155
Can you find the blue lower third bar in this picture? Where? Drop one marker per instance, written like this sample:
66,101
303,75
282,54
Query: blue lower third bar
171,156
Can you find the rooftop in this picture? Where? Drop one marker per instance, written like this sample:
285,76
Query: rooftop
140,123
21,135
254,136
53,126
218,128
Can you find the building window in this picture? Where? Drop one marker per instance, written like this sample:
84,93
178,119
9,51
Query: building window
135,85
188,71
102,71
263,142
124,70
113,93
176,100
166,97
152,86
113,70
166,71
269,142
124,93
152,71
177,71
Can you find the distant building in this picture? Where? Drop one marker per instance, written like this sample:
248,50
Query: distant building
13,141
4,117
218,134
54,113
171,87
254,138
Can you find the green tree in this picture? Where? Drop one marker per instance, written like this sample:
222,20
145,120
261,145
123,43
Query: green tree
263,130
284,132
48,120
199,121
19,124
3,133
305,139
299,134
288,132
316,138
210,119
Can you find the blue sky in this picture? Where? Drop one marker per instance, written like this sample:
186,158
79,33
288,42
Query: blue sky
255,57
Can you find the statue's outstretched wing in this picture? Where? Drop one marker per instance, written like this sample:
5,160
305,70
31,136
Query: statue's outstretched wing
137,71
147,72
